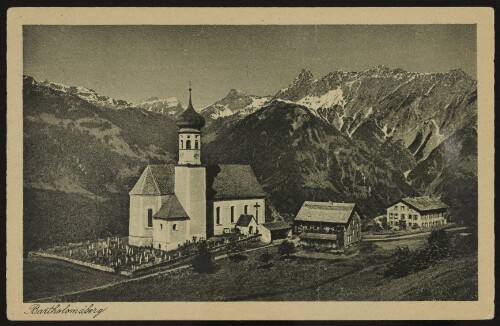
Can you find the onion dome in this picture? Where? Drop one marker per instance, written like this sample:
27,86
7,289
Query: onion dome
190,118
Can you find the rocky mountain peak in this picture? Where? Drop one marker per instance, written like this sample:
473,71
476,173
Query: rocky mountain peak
305,75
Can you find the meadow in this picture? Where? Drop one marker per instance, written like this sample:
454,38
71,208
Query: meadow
360,278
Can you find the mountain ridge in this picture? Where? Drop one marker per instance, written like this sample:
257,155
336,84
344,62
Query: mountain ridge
379,135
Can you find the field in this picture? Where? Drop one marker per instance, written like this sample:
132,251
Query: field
301,279
47,277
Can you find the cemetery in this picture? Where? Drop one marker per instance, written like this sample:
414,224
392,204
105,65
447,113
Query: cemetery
116,255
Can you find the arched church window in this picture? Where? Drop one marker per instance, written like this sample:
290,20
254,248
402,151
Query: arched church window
174,227
217,215
150,218
196,144
188,144
182,144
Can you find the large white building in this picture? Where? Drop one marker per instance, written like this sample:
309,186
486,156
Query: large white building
422,211
189,201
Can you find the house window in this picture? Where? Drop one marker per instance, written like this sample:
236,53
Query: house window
150,218
232,214
196,144
217,215
245,209
188,144
174,227
159,246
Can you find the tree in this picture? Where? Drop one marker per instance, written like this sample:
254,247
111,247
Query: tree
203,262
286,248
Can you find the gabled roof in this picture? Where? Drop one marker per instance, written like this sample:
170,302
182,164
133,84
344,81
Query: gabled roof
279,225
232,181
155,180
318,236
422,204
224,181
171,210
244,220
327,212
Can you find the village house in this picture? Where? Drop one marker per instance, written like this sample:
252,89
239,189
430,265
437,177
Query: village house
328,224
411,212
172,204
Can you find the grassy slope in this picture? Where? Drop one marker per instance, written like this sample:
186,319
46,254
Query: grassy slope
47,277
358,278
55,217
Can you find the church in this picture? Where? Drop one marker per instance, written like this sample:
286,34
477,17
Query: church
171,204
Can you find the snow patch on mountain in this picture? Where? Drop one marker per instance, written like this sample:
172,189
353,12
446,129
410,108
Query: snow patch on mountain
333,97
168,106
87,94
221,111
440,137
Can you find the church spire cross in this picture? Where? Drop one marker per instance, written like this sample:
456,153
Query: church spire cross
190,89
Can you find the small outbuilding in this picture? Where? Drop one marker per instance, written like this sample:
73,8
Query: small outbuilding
247,224
275,230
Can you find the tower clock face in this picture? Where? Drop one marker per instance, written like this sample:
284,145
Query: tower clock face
196,155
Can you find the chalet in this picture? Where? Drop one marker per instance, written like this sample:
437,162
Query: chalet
423,212
328,224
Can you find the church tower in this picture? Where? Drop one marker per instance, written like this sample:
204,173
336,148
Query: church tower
190,174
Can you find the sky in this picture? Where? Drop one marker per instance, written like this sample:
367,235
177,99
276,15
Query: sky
136,62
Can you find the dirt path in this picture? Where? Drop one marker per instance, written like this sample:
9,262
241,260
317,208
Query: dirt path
163,272
409,236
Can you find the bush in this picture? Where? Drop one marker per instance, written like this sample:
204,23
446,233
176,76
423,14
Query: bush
286,248
203,262
265,259
401,263
439,247
233,248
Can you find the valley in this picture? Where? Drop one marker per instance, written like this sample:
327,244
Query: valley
368,137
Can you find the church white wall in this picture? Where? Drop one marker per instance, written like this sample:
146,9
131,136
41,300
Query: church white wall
140,234
190,188
239,208
168,235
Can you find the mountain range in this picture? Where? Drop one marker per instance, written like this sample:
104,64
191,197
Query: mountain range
370,137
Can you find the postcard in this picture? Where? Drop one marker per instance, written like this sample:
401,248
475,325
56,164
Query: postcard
250,163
